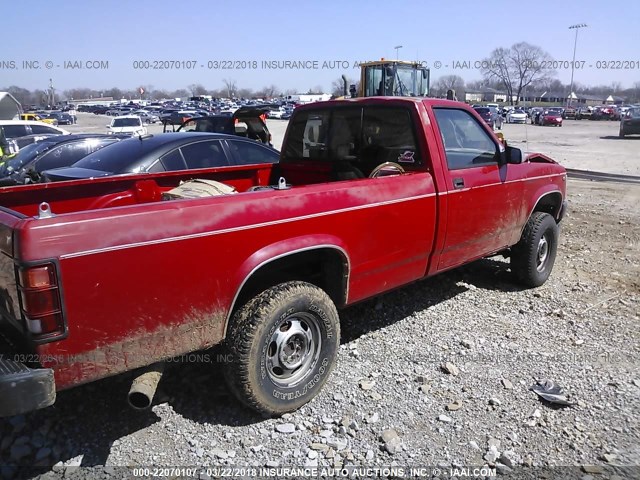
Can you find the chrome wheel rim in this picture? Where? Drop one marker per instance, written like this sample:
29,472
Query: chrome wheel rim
293,349
542,254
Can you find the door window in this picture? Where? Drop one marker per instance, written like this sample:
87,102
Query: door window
466,143
204,155
246,153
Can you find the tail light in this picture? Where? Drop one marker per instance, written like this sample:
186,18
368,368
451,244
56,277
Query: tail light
40,299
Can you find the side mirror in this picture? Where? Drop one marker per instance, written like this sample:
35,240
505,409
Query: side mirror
513,155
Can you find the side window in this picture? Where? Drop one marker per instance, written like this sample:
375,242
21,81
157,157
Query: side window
247,153
204,154
388,136
466,143
156,167
173,161
44,129
14,131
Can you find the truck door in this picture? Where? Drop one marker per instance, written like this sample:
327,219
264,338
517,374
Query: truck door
483,205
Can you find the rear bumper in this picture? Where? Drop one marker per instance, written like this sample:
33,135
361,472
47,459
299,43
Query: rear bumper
23,389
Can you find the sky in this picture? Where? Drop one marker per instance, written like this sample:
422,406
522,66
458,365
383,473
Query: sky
196,39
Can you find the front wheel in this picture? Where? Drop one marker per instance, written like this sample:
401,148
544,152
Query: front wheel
532,258
283,344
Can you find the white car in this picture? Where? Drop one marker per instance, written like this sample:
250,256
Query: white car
277,113
127,125
20,128
517,116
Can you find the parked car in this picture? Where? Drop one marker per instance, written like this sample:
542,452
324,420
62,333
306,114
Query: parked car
62,118
29,139
534,115
52,152
130,124
121,277
516,115
44,118
276,113
245,121
630,122
491,116
570,113
583,112
551,116
167,152
146,117
19,128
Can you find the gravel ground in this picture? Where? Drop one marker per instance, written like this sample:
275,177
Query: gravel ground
434,374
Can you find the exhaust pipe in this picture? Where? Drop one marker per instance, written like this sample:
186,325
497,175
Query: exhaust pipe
144,386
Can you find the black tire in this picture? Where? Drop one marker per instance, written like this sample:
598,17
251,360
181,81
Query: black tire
292,314
532,258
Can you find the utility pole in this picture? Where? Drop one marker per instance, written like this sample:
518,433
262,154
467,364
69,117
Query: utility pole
575,27
397,47
52,97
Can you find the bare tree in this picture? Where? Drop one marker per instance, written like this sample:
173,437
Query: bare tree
517,67
269,92
180,93
337,86
245,93
231,87
197,89
615,87
445,83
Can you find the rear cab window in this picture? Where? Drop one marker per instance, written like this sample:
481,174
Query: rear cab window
364,136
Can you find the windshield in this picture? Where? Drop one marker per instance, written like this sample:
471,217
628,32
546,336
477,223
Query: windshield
483,111
395,80
634,113
126,122
24,156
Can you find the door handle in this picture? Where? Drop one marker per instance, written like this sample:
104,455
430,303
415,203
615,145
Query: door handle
458,183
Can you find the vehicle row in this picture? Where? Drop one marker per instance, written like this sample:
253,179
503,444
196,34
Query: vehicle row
69,157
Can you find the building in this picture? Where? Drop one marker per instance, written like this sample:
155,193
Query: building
486,95
308,98
10,108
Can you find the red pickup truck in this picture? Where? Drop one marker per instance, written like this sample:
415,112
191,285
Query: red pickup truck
103,276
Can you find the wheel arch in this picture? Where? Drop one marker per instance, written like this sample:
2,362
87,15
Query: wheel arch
321,260
549,201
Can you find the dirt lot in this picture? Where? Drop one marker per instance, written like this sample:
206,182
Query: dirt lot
581,329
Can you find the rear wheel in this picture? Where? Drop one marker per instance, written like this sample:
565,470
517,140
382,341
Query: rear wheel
532,258
284,344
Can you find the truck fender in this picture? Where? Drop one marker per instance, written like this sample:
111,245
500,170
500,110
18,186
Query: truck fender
282,249
548,195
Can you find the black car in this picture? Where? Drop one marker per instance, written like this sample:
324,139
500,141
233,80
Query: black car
62,118
51,152
491,116
246,122
22,142
630,123
167,152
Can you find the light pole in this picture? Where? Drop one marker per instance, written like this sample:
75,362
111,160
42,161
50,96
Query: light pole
576,27
397,47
